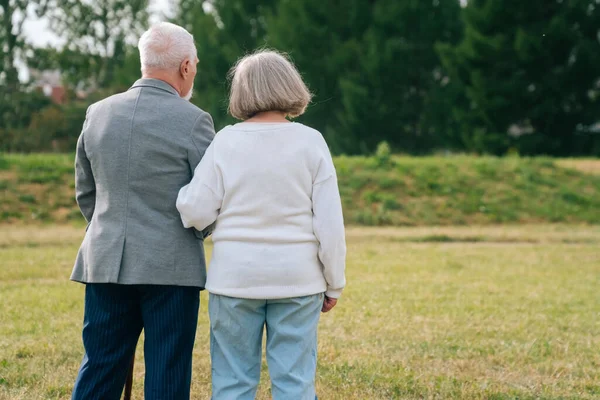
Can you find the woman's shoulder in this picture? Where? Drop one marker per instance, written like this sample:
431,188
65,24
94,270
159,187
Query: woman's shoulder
306,128
226,129
310,133
225,135
302,133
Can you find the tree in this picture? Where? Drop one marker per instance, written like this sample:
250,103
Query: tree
531,75
15,116
75,67
99,30
13,15
324,40
16,105
224,30
372,66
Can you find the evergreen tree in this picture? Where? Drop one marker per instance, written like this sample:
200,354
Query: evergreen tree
531,75
224,31
373,68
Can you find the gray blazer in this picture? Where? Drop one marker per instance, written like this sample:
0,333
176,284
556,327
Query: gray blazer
136,150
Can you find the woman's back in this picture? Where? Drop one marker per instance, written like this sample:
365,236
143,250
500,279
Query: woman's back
270,187
268,171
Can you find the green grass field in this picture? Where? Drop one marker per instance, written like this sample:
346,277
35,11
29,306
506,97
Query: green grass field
399,191
497,312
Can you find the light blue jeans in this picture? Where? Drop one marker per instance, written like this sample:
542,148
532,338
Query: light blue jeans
236,331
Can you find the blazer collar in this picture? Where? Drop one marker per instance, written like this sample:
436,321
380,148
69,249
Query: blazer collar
155,83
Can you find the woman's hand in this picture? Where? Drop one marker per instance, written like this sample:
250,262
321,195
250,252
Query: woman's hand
328,304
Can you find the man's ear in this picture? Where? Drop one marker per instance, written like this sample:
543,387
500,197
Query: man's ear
184,68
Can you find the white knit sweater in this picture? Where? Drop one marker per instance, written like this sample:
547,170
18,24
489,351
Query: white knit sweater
272,190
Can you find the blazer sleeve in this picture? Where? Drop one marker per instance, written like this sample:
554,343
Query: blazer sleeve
201,136
85,185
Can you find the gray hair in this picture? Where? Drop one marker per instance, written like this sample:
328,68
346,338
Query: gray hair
266,81
166,46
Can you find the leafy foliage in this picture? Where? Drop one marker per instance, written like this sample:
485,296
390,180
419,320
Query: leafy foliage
12,15
97,34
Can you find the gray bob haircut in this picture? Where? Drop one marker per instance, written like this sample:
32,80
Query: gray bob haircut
266,81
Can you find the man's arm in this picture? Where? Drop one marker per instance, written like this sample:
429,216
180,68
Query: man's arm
202,135
85,186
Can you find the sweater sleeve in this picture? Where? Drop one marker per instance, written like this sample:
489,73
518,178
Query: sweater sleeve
328,225
199,202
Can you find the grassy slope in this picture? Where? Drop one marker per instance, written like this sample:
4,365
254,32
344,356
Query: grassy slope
403,191
512,316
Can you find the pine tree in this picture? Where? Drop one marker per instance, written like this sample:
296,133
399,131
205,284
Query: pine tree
373,68
224,31
531,75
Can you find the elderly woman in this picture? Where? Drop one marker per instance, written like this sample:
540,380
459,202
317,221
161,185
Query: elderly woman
279,247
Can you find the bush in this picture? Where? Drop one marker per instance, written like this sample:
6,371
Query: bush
53,128
383,155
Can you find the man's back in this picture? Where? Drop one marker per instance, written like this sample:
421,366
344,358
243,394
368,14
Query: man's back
142,269
136,151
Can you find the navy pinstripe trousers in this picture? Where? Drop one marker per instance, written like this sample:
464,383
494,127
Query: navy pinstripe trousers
114,318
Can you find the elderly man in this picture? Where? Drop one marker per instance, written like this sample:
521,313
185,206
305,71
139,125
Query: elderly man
141,267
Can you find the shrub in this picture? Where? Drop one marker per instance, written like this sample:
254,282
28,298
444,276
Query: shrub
27,198
383,155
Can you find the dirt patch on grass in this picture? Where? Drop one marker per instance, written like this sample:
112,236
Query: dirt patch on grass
8,176
586,166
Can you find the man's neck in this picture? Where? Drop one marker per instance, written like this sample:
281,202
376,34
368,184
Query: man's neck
164,76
